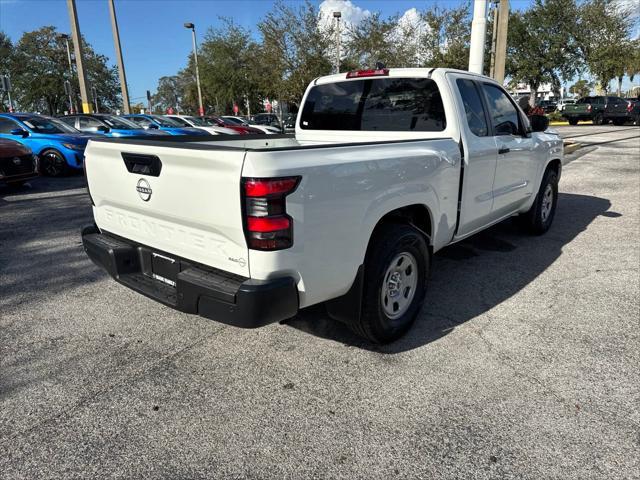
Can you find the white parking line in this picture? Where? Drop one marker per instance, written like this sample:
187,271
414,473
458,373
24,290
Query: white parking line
38,196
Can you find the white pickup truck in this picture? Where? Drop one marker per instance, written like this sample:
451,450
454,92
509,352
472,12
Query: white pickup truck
387,167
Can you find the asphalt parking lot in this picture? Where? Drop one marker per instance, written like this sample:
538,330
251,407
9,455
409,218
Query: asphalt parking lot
523,363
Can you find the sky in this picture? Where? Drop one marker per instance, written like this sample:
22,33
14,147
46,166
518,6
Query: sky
154,41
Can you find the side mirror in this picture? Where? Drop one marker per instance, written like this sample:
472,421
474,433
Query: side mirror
539,123
20,132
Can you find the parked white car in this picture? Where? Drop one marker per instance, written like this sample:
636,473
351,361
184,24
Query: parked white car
202,124
563,102
386,168
241,121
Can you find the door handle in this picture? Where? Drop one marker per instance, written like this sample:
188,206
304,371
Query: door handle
502,150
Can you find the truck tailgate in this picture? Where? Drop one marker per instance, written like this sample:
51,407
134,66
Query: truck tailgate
180,201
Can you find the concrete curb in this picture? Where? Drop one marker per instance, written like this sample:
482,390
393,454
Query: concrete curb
570,147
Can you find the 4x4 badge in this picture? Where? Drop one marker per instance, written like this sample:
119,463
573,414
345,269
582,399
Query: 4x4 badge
144,189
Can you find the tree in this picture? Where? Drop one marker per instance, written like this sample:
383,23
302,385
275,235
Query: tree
370,42
6,53
167,94
39,68
581,88
446,38
294,50
227,67
538,51
603,39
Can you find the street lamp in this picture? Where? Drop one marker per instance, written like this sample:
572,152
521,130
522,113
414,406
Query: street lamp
337,16
192,27
65,37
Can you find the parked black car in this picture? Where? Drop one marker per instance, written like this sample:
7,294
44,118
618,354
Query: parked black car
621,111
586,108
549,106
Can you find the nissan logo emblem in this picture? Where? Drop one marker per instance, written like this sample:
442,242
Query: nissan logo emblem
144,189
16,161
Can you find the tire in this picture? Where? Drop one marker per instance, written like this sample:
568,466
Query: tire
53,164
573,121
540,216
395,274
598,119
618,122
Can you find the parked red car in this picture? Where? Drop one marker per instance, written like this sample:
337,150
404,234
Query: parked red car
241,129
17,163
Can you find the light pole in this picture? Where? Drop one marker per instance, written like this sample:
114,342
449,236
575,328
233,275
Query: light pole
116,41
192,27
77,46
337,16
478,29
65,37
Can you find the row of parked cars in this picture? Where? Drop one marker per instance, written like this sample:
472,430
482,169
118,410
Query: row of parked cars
602,109
31,142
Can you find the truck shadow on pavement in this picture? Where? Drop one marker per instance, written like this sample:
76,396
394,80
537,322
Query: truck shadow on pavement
40,249
475,275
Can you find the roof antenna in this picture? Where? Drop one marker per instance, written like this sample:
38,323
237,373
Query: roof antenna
380,65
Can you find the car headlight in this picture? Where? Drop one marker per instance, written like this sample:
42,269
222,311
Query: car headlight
72,146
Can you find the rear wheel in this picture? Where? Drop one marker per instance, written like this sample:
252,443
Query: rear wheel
540,216
573,121
598,119
395,273
618,121
53,163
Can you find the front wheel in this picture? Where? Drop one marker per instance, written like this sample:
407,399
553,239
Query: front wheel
53,163
395,274
573,121
598,119
540,216
618,122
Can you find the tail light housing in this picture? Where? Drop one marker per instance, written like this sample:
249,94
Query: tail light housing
589,108
267,226
629,106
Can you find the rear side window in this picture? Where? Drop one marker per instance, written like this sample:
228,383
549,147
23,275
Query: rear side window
382,104
474,110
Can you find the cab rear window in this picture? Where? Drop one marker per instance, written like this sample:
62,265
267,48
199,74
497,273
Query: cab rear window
381,104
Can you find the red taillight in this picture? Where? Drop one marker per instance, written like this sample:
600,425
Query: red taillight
267,225
629,106
261,187
589,108
374,72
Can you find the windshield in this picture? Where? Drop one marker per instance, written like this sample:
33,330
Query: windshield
233,120
180,121
48,125
167,122
199,121
119,123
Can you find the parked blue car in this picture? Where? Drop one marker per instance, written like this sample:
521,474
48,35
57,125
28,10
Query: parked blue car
107,125
59,146
165,124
